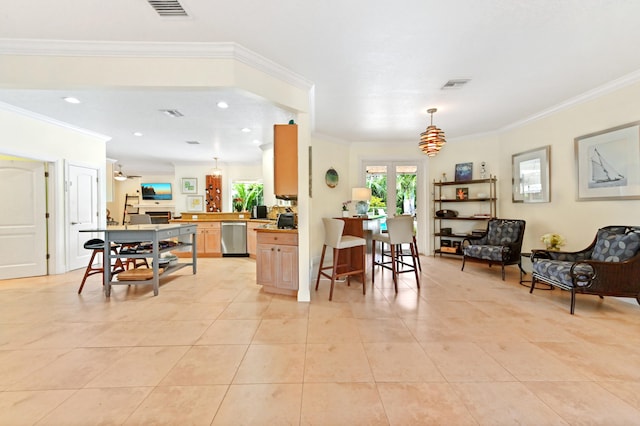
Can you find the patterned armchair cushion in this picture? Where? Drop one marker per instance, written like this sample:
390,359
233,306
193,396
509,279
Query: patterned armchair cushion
559,272
612,246
486,252
503,233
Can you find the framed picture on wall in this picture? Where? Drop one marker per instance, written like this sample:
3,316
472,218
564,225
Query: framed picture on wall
530,176
189,186
195,203
608,163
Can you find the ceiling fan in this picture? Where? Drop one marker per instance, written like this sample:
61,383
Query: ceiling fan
121,176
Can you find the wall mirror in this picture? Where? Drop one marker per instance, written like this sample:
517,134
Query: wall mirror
530,177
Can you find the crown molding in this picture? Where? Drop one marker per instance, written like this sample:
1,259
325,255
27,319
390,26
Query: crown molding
227,50
44,118
597,92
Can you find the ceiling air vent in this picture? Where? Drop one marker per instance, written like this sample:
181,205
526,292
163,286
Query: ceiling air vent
455,84
172,112
168,7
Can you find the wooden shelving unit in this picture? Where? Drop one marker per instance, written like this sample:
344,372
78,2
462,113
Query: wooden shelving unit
487,202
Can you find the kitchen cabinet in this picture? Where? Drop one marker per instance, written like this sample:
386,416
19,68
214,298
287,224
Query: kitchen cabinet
476,201
208,239
277,262
252,238
285,160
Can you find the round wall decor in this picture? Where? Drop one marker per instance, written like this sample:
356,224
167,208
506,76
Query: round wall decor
331,178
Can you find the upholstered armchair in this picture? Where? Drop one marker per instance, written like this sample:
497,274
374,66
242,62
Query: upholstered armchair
500,245
609,266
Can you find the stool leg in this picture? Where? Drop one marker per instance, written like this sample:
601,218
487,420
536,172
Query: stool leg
364,268
333,273
394,266
414,256
415,245
89,271
373,262
324,249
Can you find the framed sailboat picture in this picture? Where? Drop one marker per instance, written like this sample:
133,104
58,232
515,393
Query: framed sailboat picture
608,163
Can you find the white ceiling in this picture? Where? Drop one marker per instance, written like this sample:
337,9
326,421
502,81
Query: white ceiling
376,66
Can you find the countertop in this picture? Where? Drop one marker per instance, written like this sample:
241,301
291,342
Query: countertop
272,227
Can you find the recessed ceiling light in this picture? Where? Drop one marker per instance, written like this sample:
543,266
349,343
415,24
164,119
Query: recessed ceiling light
246,130
257,142
193,142
137,134
71,100
223,105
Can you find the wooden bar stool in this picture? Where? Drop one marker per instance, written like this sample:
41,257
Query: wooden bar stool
97,245
333,238
399,231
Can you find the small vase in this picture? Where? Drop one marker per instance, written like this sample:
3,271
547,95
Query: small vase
345,213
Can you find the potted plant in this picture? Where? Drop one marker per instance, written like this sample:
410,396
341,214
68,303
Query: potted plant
345,208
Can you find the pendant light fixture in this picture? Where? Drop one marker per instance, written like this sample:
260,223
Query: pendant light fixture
216,171
432,139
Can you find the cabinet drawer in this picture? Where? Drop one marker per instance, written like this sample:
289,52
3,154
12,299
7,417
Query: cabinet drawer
209,225
278,238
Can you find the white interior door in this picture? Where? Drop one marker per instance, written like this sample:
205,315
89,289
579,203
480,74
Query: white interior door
82,190
23,225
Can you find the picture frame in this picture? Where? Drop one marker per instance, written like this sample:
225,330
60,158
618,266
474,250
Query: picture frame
608,164
531,176
463,172
462,193
189,185
195,203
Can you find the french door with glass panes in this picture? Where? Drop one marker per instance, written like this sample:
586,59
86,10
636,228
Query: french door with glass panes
396,189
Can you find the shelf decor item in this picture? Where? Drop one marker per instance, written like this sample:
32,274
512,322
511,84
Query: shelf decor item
462,193
463,172
608,162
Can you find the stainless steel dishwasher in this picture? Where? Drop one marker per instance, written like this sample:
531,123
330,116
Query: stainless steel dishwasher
234,239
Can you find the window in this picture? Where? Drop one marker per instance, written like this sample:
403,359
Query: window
245,195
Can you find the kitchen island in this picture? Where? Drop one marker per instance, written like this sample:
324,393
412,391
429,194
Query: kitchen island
146,241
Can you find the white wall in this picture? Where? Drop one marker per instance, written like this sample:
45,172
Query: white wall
326,201
576,220
34,138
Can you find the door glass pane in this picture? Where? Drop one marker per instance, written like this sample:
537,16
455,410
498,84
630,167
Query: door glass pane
406,179
376,180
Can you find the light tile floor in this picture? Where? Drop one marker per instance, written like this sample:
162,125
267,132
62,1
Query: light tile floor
466,349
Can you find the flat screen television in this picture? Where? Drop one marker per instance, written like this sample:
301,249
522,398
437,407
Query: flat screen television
156,191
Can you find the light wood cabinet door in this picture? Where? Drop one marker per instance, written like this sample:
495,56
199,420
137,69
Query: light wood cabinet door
285,159
208,239
287,271
277,262
266,265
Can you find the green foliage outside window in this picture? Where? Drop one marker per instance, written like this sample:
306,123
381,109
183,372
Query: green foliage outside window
246,195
